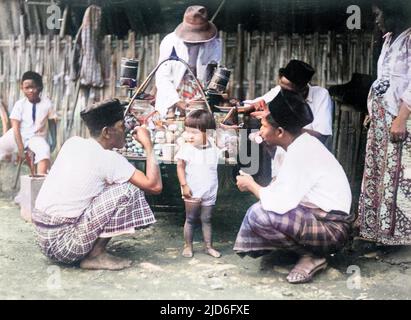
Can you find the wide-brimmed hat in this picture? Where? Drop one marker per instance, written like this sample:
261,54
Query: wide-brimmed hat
298,72
195,27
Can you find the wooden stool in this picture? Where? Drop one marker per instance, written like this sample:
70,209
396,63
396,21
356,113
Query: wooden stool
30,187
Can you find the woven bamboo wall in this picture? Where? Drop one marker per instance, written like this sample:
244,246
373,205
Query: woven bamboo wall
254,58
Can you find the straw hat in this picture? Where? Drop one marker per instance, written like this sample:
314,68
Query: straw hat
195,26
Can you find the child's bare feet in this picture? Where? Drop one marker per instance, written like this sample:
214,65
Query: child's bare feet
212,252
105,261
187,251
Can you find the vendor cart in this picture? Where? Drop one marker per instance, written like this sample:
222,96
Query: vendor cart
167,138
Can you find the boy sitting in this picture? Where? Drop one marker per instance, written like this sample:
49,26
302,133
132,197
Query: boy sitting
29,119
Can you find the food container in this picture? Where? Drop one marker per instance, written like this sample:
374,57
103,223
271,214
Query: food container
170,137
169,150
219,80
227,138
128,72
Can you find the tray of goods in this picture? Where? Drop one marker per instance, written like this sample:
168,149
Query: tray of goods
166,141
168,137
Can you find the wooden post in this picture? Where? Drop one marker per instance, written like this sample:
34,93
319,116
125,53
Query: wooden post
131,52
239,90
22,27
64,22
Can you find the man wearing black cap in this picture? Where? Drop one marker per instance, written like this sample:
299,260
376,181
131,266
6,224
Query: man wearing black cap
296,77
93,193
306,208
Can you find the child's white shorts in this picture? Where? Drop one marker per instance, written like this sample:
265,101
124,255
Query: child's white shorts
38,145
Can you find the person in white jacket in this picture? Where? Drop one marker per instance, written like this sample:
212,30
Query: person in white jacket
195,41
296,77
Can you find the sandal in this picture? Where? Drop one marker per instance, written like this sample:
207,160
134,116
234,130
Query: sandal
306,276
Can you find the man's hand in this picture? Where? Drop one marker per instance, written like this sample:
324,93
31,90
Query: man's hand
244,182
186,191
15,124
367,121
142,135
398,130
260,107
20,155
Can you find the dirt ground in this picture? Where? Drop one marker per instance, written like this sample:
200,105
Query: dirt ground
160,272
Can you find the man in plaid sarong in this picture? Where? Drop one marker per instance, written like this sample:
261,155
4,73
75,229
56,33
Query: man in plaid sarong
93,193
306,207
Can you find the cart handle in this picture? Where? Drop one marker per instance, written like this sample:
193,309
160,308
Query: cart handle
143,86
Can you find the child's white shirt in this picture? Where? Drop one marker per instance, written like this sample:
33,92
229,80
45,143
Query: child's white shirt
201,169
22,111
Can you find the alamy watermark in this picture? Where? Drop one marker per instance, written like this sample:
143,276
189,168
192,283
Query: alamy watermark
54,16
354,280
54,280
354,20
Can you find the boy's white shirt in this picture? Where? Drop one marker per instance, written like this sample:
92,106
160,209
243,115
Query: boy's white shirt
22,111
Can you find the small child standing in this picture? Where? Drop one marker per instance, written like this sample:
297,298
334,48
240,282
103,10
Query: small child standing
197,174
29,120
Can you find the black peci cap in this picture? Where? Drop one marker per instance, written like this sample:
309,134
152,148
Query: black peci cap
289,109
298,72
103,114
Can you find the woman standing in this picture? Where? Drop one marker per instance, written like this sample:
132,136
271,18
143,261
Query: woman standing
385,201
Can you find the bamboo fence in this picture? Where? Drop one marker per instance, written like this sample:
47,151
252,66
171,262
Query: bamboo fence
254,59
